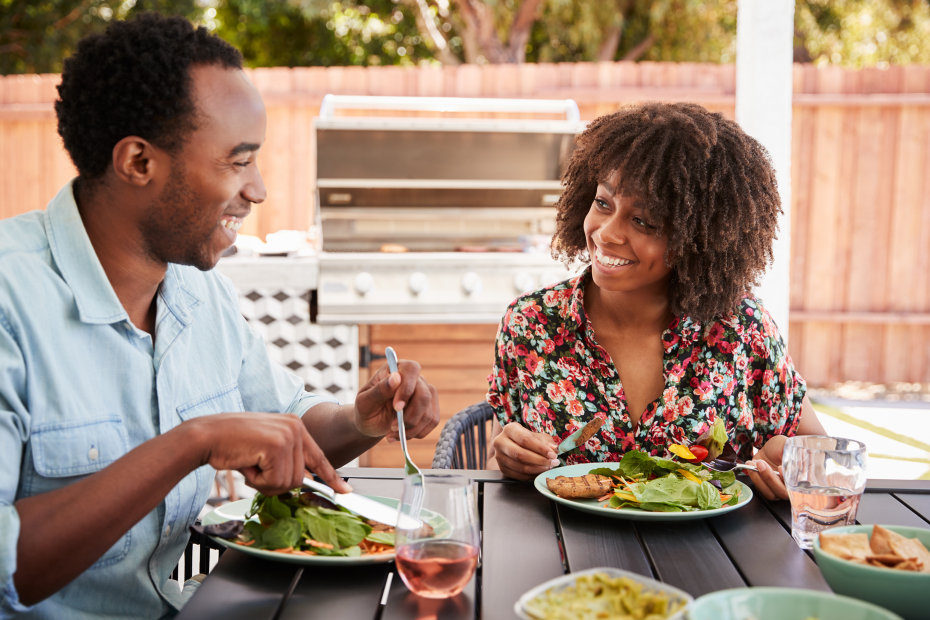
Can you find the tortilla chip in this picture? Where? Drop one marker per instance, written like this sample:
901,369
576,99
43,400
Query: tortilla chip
911,564
881,540
889,560
847,546
912,548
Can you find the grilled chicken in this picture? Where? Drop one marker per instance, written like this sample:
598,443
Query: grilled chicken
580,487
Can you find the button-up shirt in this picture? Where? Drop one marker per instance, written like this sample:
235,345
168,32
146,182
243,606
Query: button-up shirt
80,386
552,376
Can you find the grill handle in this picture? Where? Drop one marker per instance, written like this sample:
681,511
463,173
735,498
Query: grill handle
331,103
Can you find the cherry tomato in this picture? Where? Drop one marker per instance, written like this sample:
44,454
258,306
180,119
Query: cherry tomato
699,452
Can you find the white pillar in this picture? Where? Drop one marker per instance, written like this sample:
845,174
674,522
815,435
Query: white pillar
764,42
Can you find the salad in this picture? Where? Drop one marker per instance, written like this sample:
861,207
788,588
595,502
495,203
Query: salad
655,484
304,523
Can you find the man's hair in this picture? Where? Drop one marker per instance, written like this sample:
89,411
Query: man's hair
133,80
707,184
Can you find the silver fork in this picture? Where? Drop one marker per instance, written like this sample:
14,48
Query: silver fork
410,468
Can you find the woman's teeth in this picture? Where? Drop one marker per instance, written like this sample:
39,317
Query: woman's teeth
232,223
610,261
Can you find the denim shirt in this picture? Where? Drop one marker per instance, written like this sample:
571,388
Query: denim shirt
80,386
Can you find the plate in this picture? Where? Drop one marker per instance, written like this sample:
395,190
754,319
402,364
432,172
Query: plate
237,510
783,603
567,580
593,505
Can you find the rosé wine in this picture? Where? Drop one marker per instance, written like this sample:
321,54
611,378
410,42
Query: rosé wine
437,568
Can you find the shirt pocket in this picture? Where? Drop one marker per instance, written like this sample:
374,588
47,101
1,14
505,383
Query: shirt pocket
71,450
221,400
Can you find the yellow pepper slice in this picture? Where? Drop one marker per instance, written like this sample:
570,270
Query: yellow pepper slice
681,451
689,476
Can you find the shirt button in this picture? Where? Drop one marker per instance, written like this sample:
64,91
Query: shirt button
92,454
167,530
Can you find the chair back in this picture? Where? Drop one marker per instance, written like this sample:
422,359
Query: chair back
463,442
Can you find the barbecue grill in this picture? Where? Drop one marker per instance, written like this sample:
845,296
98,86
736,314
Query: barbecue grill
436,209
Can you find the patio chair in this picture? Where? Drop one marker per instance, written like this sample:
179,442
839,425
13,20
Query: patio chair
463,442
185,568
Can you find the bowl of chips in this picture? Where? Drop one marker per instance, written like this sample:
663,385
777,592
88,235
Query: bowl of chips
887,565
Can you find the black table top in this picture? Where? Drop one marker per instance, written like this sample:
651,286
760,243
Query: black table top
528,539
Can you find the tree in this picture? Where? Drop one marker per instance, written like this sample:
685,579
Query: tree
36,35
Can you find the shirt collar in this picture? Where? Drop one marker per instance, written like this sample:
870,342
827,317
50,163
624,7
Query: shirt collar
77,261
683,330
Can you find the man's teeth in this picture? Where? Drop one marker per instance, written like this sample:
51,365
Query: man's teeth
232,223
610,261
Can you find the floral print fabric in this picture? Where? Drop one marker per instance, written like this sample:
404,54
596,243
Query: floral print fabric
551,375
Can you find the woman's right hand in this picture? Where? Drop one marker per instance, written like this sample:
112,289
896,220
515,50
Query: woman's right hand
522,453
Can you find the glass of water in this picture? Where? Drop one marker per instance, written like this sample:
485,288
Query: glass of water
825,477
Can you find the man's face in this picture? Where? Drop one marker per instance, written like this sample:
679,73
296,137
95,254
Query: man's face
214,179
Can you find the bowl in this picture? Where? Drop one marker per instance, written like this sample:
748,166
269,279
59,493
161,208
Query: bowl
783,604
904,592
649,585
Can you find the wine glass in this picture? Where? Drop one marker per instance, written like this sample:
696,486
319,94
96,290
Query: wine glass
437,551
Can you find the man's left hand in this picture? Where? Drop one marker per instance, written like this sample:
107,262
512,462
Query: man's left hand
386,392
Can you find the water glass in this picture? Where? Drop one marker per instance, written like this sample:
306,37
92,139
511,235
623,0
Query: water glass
436,557
825,477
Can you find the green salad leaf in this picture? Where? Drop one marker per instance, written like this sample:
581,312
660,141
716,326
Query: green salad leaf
657,484
295,521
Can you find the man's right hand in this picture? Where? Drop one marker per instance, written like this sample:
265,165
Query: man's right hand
272,451
522,453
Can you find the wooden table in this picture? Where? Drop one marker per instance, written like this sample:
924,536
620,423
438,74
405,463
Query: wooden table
528,539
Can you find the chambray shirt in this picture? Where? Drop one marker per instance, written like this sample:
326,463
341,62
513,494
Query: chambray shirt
80,386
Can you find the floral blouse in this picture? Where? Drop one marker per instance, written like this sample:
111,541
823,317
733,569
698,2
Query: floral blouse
552,376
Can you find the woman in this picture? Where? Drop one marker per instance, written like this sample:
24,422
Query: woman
674,209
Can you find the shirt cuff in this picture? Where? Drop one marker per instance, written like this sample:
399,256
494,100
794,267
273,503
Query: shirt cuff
9,537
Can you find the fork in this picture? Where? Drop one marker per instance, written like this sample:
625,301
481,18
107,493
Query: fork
410,468
725,465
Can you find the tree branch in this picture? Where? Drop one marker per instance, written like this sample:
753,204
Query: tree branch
427,25
640,48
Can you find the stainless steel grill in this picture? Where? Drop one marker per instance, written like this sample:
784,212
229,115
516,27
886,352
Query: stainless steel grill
440,217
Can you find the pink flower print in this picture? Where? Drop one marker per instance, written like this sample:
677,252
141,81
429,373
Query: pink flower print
533,362
554,392
574,408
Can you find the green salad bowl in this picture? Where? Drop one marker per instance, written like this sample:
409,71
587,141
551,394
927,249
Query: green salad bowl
904,592
783,604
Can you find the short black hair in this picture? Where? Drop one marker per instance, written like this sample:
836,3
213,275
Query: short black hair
133,80
709,185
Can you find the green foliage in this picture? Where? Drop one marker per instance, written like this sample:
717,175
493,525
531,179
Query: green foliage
35,35
858,33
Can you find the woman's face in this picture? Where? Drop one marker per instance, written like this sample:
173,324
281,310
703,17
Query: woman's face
627,251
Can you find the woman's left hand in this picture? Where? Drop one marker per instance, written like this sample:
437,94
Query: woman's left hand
767,481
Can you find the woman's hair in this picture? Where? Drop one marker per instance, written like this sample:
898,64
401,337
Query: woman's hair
709,186
133,80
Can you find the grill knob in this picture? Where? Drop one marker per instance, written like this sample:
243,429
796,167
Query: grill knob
471,283
417,282
364,283
523,282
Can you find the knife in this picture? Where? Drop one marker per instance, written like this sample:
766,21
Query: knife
579,437
361,505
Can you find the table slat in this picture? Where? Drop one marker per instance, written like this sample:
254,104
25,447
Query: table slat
919,503
243,587
592,541
756,541
519,547
885,509
687,555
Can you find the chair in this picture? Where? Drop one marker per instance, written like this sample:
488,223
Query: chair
463,442
185,568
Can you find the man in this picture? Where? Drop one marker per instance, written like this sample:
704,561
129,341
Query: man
125,366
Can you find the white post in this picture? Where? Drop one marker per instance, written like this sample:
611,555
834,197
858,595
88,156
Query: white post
764,42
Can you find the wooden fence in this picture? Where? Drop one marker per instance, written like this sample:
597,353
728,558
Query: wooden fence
860,258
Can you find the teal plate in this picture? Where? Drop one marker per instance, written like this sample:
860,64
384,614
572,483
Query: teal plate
783,604
597,507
